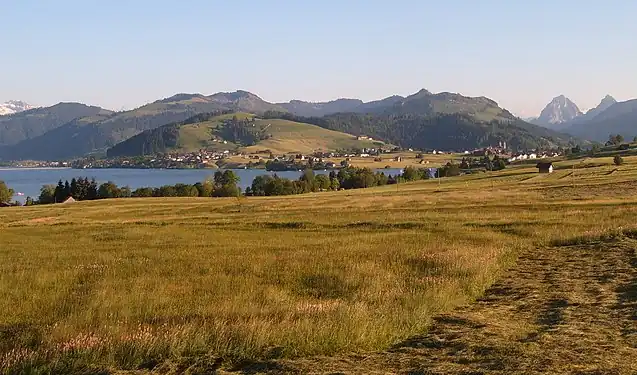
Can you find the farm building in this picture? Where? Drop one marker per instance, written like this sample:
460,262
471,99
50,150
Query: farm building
545,167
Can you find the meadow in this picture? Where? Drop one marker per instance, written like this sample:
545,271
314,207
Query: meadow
171,284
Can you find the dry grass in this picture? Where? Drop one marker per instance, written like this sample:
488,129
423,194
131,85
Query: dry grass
172,284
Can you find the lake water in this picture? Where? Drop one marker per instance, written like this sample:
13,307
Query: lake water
29,180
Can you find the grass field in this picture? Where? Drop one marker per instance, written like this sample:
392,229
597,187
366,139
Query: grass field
286,137
174,285
295,137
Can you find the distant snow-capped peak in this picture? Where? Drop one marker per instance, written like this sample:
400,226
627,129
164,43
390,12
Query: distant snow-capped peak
14,106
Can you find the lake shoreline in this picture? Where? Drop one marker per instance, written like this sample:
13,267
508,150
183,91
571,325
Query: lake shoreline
29,181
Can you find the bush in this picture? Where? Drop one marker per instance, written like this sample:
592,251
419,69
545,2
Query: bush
618,160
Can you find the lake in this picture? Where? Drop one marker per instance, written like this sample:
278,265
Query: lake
29,180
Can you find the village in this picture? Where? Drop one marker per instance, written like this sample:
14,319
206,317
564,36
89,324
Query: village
375,158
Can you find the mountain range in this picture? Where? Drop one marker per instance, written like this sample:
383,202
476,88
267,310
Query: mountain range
424,119
421,120
608,117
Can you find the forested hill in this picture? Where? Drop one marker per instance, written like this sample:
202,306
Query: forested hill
438,131
238,131
158,140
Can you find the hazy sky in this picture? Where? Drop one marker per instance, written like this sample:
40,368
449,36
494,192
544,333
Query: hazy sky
122,54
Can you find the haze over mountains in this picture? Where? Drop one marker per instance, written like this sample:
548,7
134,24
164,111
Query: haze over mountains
423,120
608,117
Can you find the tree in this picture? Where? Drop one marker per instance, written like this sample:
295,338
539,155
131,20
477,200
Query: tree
125,192
6,194
226,184
227,190
144,192
260,185
60,193
618,160
498,164
323,182
635,139
75,193
206,187
29,202
226,177
309,180
334,184
619,138
67,189
92,190
47,194
108,190
615,139
411,174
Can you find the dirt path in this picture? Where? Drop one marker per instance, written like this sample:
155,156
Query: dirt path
561,310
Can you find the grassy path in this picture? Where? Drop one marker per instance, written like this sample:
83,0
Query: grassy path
560,310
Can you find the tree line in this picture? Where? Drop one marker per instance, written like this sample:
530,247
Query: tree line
345,179
223,184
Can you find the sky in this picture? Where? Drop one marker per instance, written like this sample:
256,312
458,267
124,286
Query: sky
120,54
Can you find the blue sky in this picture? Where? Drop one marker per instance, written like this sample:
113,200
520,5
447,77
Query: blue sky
122,54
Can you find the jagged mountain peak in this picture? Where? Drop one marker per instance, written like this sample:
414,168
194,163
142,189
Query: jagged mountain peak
560,110
607,102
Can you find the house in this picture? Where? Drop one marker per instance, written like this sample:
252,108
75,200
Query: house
68,200
545,167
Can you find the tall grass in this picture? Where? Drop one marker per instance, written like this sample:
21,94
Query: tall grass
136,284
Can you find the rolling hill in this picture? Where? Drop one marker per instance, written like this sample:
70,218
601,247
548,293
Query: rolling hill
442,131
15,128
424,120
77,137
236,131
309,109
422,102
445,121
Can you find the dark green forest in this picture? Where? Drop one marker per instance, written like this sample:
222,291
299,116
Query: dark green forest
438,131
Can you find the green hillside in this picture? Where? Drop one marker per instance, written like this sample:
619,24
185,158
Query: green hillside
290,136
440,131
71,140
29,124
237,131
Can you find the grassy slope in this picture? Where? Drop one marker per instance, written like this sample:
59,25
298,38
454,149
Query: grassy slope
129,283
287,137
